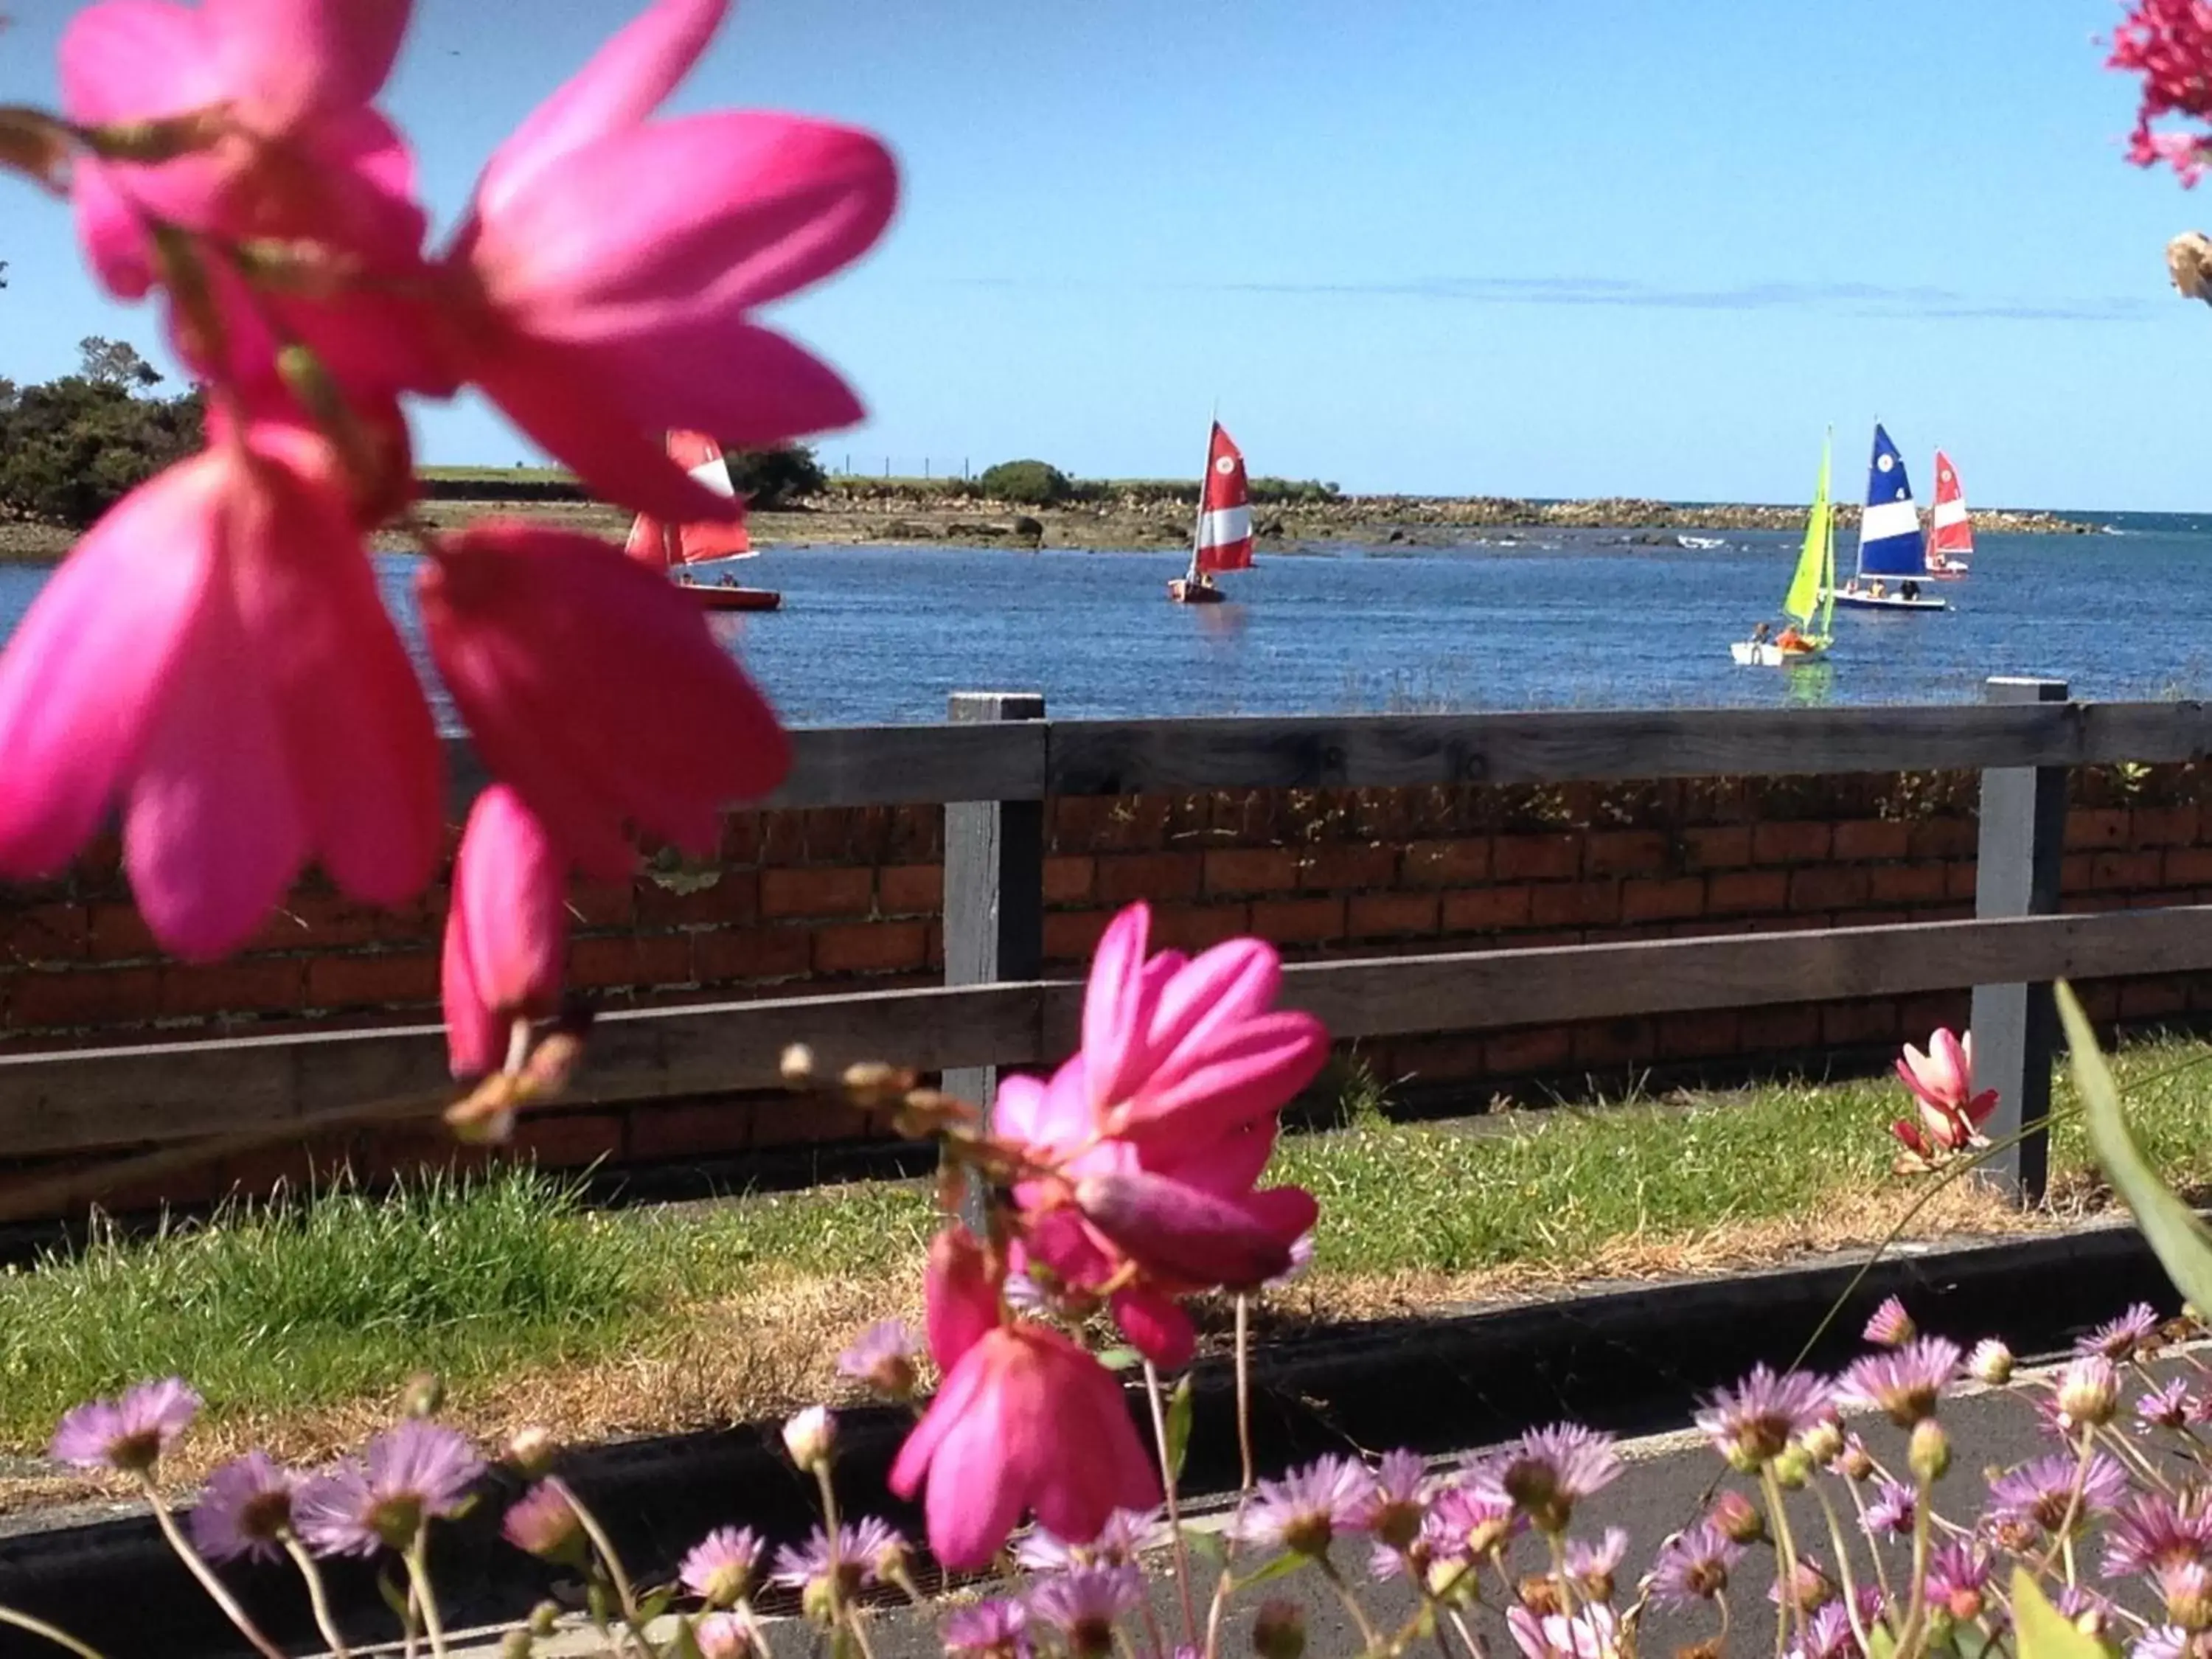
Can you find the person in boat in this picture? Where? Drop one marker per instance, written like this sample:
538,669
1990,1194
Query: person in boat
1911,590
1763,635
1879,590
1790,640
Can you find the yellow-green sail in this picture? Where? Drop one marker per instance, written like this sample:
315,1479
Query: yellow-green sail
1812,589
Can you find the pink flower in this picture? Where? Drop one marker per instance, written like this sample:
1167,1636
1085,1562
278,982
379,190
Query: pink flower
1942,1084
592,687
2169,44
215,655
285,154
607,256
1025,1420
505,932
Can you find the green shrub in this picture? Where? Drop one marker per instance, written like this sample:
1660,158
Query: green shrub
1024,483
770,478
70,448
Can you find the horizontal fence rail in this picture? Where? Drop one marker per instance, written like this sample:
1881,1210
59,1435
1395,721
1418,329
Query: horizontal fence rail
1002,752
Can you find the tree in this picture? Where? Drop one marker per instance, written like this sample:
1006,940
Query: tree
70,448
770,478
1025,483
114,362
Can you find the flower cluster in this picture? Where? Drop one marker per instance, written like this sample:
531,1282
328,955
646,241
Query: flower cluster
1950,1113
2169,44
215,659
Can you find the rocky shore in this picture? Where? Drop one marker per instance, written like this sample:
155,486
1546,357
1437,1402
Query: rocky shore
895,518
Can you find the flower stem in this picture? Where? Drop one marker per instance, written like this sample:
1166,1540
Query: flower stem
318,1596
1168,1487
1367,1632
835,1581
418,1577
1244,1386
1785,1601
58,1636
1916,1613
200,1569
1844,1567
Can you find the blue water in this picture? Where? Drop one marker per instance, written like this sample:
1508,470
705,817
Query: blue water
1535,619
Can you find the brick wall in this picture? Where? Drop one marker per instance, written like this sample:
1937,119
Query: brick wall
820,899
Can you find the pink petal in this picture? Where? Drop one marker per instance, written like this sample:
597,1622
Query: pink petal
1236,981
1097,1464
962,1297
510,891
91,663
214,836
1951,1059
476,1043
301,55
108,229
1226,1166
622,84
715,212
1113,1009
977,1488
1182,1232
1257,1069
963,1385
1287,1212
136,60
1157,1327
1047,1117
765,390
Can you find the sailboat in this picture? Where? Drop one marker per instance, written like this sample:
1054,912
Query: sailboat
1222,538
674,548
1950,531
1810,603
1890,548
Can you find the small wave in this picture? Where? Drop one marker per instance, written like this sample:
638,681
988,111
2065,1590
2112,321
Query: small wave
2112,530
1701,543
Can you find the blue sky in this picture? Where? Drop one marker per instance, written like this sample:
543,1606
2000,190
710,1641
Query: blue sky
1454,245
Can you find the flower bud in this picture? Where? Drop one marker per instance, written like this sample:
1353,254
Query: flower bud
1538,1593
1738,1518
1279,1630
545,1618
2187,1587
797,1065
1928,1455
424,1395
1810,1588
811,1438
516,1644
1990,1362
2088,1392
532,1450
1449,1576
1855,1461
1792,1469
1823,1443
722,1635
2189,262
871,1084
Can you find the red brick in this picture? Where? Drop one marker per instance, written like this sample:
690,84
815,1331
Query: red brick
373,979
2093,827
1789,843
1794,1026
1906,884
871,947
1078,822
1134,824
1447,863
817,892
804,1122
910,890
607,903
741,838
1626,853
566,1140
654,960
84,996
2101,1001
1826,887
748,953
694,1129
1944,838
1723,848
1380,915
734,897
1332,869
245,985
1252,870
1607,1042
1736,891
1696,1036
117,933
1485,909
2127,870
1873,838
1535,1048
325,921
1070,880
1859,1022
2151,999
2164,826
2189,866
1537,858
1159,877
1299,920
1071,935
1197,928
1582,904
46,932
1662,901
1960,880
782,840
1437,1059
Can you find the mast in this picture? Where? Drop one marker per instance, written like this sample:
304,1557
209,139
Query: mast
1205,473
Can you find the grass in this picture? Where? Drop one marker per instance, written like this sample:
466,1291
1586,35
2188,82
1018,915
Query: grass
300,1319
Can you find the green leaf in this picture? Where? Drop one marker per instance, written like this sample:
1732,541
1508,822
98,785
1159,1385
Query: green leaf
1180,1408
2044,1633
1121,1359
2180,1241
1881,1644
654,1605
395,1597
687,1639
1206,1546
1281,1567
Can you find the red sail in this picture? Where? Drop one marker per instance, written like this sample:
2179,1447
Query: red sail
1224,511
648,542
702,457
1952,531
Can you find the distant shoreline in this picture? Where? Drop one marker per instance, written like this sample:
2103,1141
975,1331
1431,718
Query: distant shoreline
895,518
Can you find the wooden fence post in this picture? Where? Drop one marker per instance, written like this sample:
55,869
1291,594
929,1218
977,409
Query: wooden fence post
993,892
2023,833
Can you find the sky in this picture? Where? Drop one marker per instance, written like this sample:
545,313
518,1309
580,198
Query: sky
1632,247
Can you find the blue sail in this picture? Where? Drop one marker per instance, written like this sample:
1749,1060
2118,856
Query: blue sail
1889,534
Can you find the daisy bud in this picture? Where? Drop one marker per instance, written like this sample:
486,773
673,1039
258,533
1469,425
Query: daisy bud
1738,1518
2189,262
545,1618
872,1084
798,1066
810,1437
1855,1463
1928,1455
423,1396
516,1644
1891,1326
1278,1631
1990,1362
2187,1587
1446,1577
1793,1469
1823,1443
2088,1393
532,1450
722,1635
543,1522
1538,1594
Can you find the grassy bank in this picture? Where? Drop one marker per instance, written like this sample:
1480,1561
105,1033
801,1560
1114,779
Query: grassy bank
300,1321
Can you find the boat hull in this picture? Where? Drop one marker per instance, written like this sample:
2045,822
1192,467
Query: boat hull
1761,654
1189,593
1890,601
733,599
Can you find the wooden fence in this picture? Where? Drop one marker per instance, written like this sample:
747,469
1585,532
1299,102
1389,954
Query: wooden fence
998,759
